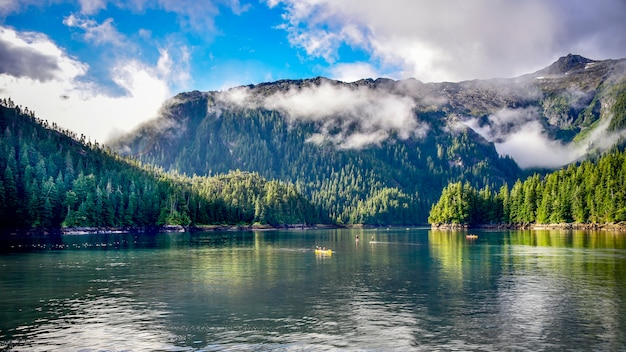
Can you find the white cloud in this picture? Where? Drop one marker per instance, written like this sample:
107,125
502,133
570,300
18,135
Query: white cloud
68,100
198,16
350,72
97,33
520,134
349,117
530,147
8,7
437,40
506,122
176,70
33,55
194,15
89,7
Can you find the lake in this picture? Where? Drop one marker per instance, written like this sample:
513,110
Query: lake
393,289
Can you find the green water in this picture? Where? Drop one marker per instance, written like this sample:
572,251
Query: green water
397,289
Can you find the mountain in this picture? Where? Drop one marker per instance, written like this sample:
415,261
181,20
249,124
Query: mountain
50,178
380,151
567,64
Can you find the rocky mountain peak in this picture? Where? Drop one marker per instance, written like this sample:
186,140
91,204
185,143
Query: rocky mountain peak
566,64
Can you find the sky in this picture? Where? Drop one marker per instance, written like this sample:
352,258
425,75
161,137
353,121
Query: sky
102,67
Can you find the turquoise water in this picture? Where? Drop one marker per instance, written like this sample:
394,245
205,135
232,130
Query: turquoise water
396,289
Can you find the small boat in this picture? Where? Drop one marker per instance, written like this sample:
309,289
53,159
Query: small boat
323,251
471,236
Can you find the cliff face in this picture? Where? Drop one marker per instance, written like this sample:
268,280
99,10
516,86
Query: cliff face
567,100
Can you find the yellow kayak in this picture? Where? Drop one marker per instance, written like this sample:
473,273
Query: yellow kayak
324,251
471,236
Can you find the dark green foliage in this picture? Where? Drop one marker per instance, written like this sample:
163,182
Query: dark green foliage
591,192
393,183
619,109
205,133
247,197
48,179
462,204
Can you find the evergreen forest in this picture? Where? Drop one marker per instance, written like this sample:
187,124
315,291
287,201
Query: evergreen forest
213,158
394,183
51,178
448,136
591,192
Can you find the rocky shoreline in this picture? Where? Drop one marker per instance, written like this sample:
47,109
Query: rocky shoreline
166,228
615,227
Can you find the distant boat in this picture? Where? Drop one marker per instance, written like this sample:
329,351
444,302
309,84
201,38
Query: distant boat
471,236
320,251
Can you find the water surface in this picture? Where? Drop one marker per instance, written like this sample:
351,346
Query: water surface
396,289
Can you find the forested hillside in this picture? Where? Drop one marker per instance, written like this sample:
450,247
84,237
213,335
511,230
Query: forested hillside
391,183
380,151
593,191
374,152
51,178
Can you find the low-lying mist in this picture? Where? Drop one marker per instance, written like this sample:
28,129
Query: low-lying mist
350,117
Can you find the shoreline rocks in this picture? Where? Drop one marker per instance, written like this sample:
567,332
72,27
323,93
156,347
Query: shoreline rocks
616,227
180,228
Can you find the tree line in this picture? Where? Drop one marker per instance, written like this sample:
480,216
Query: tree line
49,179
394,183
593,191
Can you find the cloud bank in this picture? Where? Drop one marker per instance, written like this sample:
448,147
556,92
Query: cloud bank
520,134
32,56
348,117
53,85
129,75
448,40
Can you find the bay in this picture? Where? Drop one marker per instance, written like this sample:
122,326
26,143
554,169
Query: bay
392,289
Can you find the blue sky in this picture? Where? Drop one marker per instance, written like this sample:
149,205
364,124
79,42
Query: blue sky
102,67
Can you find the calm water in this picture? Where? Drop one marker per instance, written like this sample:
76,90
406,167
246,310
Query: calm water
393,289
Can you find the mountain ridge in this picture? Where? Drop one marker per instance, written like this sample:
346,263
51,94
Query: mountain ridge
348,144
566,64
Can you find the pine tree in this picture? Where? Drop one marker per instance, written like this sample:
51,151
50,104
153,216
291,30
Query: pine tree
11,198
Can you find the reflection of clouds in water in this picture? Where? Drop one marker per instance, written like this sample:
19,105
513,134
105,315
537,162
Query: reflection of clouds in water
112,323
529,305
557,287
561,292
393,324
364,320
